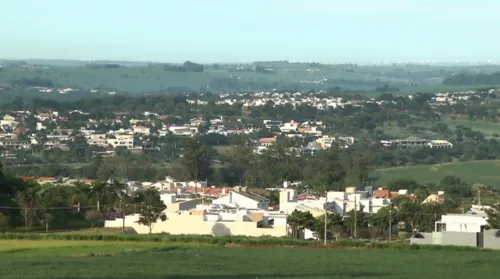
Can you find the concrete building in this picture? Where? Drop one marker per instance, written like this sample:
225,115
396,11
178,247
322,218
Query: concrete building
212,222
460,230
126,141
439,144
461,223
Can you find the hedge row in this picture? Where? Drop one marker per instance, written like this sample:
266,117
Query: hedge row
237,240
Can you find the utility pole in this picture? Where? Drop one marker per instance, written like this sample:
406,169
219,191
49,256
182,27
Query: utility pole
355,213
326,215
479,196
390,222
123,212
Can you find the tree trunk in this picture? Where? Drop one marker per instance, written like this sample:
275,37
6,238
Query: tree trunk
46,227
98,205
78,206
150,229
26,219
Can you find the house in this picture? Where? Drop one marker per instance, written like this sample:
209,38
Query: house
195,122
326,142
439,144
126,141
215,221
271,123
51,144
142,130
291,126
241,199
267,141
461,223
8,121
14,143
42,180
460,230
97,140
312,149
433,198
407,142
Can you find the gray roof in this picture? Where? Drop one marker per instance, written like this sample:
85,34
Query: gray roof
252,196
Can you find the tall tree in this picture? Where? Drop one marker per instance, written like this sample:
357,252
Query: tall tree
334,226
151,209
410,213
299,221
98,190
4,222
494,216
93,217
196,160
27,202
325,170
381,219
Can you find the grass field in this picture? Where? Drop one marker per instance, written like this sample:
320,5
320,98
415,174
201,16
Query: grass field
485,172
487,127
107,260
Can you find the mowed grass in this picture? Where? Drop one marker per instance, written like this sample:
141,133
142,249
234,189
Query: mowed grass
109,260
485,172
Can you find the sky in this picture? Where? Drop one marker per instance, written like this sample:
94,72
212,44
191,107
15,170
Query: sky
206,31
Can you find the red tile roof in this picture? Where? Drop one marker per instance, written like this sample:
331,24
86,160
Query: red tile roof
25,178
46,178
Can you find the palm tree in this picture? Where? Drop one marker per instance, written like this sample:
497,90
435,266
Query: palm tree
98,190
81,191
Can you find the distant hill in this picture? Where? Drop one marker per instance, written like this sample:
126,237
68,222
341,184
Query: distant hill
137,77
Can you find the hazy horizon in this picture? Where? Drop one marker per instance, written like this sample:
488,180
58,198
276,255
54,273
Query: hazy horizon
225,31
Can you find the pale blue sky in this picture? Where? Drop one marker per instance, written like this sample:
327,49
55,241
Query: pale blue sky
249,30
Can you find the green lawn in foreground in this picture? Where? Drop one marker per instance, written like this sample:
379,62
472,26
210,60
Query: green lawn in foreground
109,260
485,172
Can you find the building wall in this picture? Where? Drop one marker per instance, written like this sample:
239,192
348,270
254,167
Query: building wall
130,221
459,238
427,240
195,224
463,223
490,239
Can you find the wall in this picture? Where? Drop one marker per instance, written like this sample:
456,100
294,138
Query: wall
490,239
194,224
460,238
130,221
427,240
447,238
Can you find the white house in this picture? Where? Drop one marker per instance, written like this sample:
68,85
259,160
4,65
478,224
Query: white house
462,223
126,141
142,130
439,144
243,200
291,126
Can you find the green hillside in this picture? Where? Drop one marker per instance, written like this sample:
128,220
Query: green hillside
484,172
